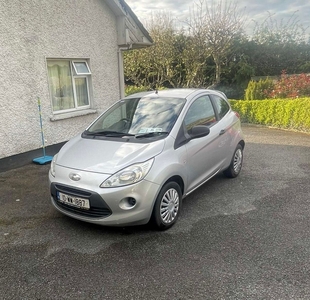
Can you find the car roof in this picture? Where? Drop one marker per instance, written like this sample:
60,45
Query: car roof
175,93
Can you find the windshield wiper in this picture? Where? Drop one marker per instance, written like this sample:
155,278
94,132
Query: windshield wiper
151,134
108,133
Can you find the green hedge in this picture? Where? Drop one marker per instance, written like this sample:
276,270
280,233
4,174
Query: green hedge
282,113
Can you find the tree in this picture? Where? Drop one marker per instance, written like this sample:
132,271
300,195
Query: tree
213,48
281,32
217,25
160,64
280,45
176,59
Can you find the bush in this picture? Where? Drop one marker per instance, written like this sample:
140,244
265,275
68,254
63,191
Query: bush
291,86
282,113
258,90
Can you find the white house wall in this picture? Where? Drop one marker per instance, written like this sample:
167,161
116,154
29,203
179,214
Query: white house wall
30,32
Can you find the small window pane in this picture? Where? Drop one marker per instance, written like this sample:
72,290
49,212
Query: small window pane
81,91
81,68
60,84
221,106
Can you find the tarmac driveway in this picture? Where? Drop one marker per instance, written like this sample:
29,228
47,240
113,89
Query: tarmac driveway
243,238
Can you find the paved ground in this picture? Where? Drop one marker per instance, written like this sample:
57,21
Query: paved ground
244,238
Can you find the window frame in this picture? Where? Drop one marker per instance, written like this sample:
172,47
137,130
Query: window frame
73,75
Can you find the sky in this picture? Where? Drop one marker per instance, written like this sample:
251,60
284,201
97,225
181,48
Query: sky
256,10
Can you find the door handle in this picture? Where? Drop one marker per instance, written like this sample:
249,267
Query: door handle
222,131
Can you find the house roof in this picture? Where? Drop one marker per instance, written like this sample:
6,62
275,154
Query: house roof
135,18
131,32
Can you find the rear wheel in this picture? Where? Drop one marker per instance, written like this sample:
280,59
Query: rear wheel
236,163
167,206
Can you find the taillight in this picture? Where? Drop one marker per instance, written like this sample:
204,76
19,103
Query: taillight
238,116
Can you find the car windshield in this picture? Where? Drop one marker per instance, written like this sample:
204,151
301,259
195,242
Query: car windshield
141,117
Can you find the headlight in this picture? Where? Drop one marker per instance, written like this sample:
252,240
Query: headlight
129,175
53,163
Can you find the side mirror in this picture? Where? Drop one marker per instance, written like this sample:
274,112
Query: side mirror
199,131
195,133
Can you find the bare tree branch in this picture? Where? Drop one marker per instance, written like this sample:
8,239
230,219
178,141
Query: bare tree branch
217,25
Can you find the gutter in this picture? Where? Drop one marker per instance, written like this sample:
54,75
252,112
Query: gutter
121,69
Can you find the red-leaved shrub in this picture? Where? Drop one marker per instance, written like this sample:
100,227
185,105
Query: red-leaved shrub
291,86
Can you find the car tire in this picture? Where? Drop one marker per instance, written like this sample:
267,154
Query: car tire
167,206
236,163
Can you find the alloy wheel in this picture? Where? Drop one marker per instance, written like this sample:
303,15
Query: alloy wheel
237,161
169,206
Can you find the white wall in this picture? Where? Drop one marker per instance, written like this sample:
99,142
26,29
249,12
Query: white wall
30,32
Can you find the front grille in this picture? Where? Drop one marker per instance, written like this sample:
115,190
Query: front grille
73,191
98,207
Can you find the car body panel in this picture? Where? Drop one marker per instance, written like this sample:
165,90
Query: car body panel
105,156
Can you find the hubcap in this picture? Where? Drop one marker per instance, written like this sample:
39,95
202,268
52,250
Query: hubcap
169,206
238,161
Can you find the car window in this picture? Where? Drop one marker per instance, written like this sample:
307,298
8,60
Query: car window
221,105
140,116
201,112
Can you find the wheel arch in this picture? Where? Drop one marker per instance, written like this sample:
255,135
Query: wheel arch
242,143
178,179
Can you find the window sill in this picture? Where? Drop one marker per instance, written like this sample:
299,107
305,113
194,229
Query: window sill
72,114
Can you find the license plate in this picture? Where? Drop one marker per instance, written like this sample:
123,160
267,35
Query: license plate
74,201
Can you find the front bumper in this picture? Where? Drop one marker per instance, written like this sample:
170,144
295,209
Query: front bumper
106,204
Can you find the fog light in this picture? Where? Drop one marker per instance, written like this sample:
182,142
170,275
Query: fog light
127,203
132,201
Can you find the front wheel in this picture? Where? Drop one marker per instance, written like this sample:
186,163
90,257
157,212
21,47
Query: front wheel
167,206
236,163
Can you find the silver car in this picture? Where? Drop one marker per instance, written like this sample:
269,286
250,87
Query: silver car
141,157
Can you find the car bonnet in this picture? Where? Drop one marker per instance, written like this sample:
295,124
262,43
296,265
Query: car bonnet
105,156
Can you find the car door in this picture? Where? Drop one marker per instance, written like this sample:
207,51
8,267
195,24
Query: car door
204,155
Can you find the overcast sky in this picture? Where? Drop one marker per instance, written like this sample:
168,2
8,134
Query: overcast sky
254,9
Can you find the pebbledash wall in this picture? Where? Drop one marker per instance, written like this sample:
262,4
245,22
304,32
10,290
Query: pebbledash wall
32,32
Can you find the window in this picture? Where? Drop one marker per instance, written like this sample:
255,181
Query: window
201,112
69,84
140,115
81,68
222,106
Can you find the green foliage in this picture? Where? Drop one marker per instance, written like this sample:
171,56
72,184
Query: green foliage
184,58
175,60
232,91
244,71
159,64
258,90
282,113
132,89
